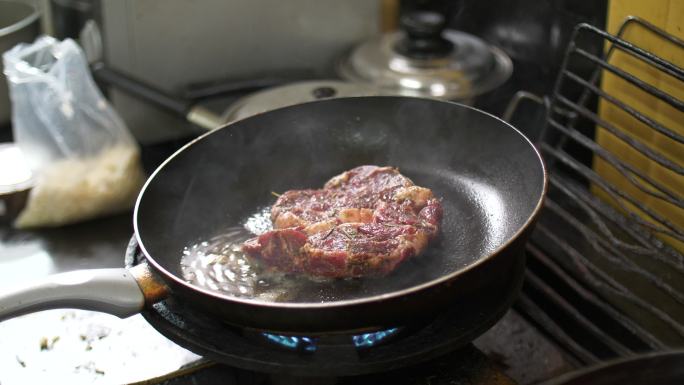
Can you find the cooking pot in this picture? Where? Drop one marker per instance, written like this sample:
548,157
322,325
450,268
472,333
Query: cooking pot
19,23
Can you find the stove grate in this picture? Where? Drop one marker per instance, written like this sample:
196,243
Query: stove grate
605,273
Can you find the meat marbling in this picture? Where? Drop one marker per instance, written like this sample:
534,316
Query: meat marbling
363,222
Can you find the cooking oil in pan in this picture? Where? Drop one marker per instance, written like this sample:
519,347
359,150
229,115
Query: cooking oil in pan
219,263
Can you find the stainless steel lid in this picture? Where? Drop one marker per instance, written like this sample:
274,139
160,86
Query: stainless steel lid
295,93
426,60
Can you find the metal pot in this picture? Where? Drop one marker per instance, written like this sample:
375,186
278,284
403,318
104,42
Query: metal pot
426,60
19,23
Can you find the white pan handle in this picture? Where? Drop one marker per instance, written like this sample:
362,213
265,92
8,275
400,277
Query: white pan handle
113,291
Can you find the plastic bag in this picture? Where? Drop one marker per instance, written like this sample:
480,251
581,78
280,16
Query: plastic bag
85,161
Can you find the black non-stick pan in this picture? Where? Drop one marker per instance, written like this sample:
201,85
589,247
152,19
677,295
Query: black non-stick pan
489,176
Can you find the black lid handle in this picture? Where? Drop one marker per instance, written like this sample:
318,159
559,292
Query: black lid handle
423,38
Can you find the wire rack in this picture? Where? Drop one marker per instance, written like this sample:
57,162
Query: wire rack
603,280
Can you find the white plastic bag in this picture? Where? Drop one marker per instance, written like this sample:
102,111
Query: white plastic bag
86,162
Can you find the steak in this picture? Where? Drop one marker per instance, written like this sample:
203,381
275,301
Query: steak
363,222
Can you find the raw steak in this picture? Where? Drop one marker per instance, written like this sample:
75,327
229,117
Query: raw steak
363,222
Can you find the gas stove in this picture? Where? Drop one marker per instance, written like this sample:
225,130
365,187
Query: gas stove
338,354
599,284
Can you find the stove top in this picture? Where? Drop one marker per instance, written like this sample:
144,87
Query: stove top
326,355
90,347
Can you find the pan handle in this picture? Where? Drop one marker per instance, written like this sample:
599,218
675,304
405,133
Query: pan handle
113,291
143,91
515,101
195,114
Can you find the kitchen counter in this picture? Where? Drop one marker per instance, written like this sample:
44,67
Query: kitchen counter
97,243
75,346
93,244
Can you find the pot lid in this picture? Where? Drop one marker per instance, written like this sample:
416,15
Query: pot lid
425,60
295,93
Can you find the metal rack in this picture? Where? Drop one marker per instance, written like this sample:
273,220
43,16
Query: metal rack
601,281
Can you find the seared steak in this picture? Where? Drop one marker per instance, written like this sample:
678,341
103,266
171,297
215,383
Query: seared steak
363,222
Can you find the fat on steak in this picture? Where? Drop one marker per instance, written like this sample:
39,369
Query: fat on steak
363,222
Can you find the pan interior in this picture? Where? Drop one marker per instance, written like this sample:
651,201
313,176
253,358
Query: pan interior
488,176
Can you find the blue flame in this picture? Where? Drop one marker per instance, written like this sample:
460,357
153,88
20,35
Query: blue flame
367,340
292,342
308,344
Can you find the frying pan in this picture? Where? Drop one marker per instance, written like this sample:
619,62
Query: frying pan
489,176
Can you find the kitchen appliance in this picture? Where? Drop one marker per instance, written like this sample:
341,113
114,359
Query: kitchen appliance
19,23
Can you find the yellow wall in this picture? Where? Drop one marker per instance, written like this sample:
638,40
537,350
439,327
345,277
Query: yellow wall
668,15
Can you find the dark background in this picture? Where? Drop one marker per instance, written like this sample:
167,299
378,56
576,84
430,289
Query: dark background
534,33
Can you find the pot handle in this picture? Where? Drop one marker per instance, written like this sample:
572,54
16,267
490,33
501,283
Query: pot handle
114,291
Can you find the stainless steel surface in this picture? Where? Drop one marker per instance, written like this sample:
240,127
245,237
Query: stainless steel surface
19,23
473,68
173,43
295,93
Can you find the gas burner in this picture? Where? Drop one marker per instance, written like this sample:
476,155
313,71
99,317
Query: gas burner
300,344
305,344
319,355
368,340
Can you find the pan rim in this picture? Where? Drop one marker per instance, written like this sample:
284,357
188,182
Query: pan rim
348,302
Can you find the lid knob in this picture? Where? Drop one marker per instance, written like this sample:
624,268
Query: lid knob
424,38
